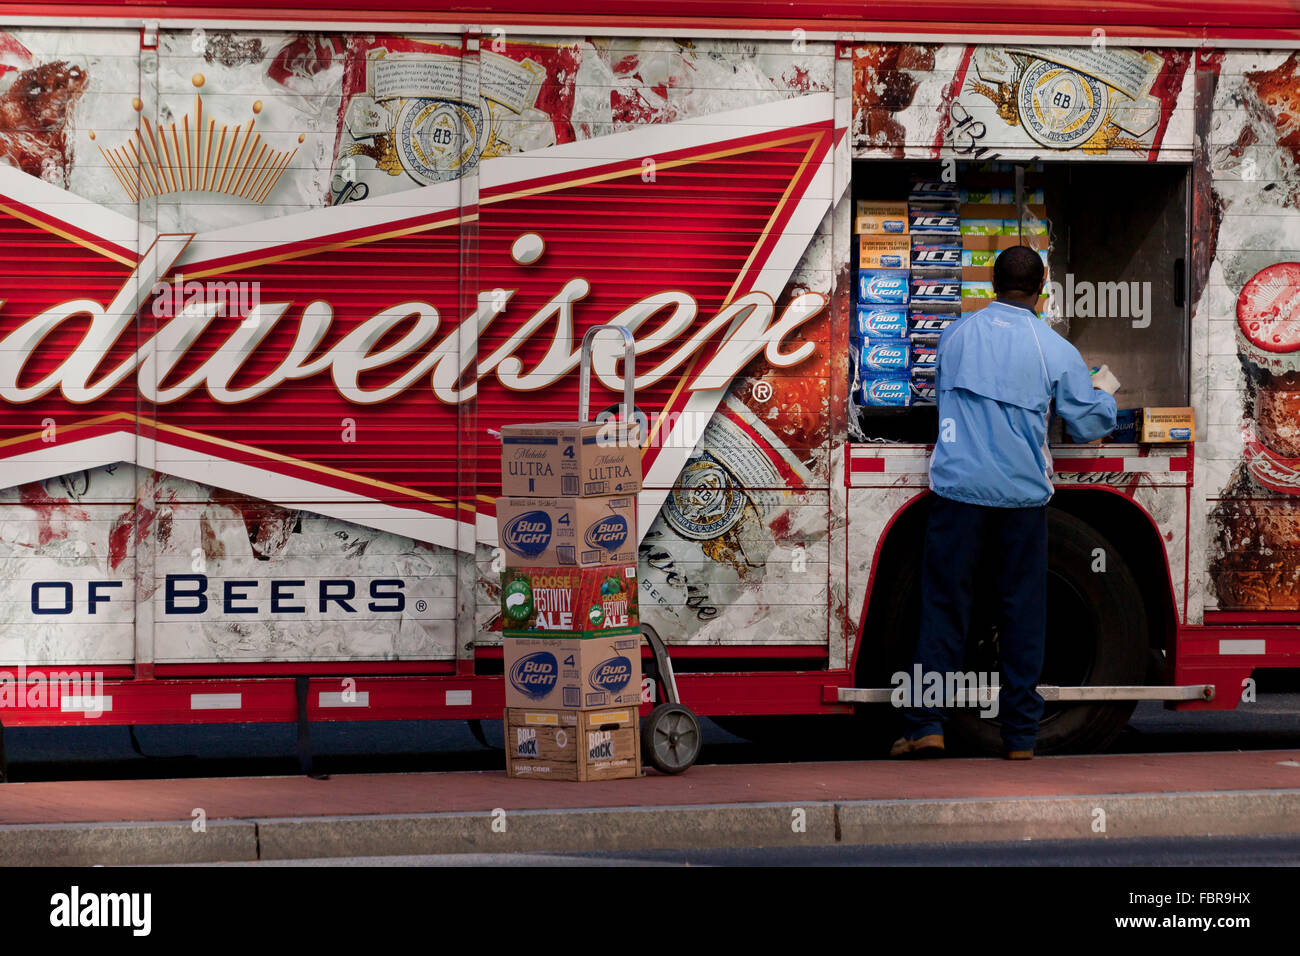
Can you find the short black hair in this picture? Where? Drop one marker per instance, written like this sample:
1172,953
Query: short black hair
1018,269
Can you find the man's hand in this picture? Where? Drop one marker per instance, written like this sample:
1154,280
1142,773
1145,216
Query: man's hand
1105,380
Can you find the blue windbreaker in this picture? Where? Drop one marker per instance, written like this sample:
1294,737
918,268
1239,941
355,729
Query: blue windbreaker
998,371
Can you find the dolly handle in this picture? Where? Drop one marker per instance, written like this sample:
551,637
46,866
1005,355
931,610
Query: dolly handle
629,371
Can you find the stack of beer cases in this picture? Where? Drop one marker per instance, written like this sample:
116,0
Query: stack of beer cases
879,331
571,633
993,218
936,277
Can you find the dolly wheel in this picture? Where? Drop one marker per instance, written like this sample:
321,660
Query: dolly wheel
670,738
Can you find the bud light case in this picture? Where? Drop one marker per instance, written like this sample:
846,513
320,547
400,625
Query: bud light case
601,670
888,355
882,286
567,532
880,323
886,391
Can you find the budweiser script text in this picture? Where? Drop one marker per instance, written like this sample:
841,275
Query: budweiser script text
745,324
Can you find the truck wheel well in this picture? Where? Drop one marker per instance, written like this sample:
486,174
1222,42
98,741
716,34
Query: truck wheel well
1113,515
1131,530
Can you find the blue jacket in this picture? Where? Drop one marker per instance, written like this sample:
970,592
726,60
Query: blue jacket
998,371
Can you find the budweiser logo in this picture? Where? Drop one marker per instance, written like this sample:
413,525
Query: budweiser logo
336,381
746,325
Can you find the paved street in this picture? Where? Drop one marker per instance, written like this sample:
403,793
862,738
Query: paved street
1237,851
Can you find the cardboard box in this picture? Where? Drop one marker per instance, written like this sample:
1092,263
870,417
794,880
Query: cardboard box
881,217
573,745
1126,420
973,303
1000,210
1166,425
569,599
883,252
554,670
567,532
999,242
574,459
1126,424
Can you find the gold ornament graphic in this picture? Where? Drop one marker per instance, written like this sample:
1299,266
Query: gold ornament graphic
184,157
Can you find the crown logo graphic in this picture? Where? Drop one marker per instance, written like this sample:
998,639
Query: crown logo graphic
181,157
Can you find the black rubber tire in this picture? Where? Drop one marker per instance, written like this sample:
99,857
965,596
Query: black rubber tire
1096,634
671,739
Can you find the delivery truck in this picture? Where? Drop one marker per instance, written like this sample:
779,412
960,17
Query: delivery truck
276,280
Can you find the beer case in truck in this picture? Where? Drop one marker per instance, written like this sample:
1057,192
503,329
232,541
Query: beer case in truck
272,296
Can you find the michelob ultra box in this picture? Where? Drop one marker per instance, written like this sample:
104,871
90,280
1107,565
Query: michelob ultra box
883,252
574,459
572,744
569,599
567,532
558,671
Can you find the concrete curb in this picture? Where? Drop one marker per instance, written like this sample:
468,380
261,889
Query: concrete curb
1104,816
117,844
1212,813
616,828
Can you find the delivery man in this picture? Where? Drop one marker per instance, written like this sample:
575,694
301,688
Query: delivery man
999,370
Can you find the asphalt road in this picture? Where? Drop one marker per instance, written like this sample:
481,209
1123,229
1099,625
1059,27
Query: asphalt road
1272,722
1235,851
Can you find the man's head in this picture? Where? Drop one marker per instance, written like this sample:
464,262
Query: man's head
1018,275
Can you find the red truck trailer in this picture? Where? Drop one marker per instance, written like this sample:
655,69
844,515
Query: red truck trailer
275,278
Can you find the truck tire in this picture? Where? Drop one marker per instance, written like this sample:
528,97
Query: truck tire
1096,635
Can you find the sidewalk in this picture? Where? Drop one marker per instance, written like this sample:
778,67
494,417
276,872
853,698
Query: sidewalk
138,821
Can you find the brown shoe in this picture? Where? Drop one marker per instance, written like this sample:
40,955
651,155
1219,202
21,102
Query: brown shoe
931,745
1018,754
